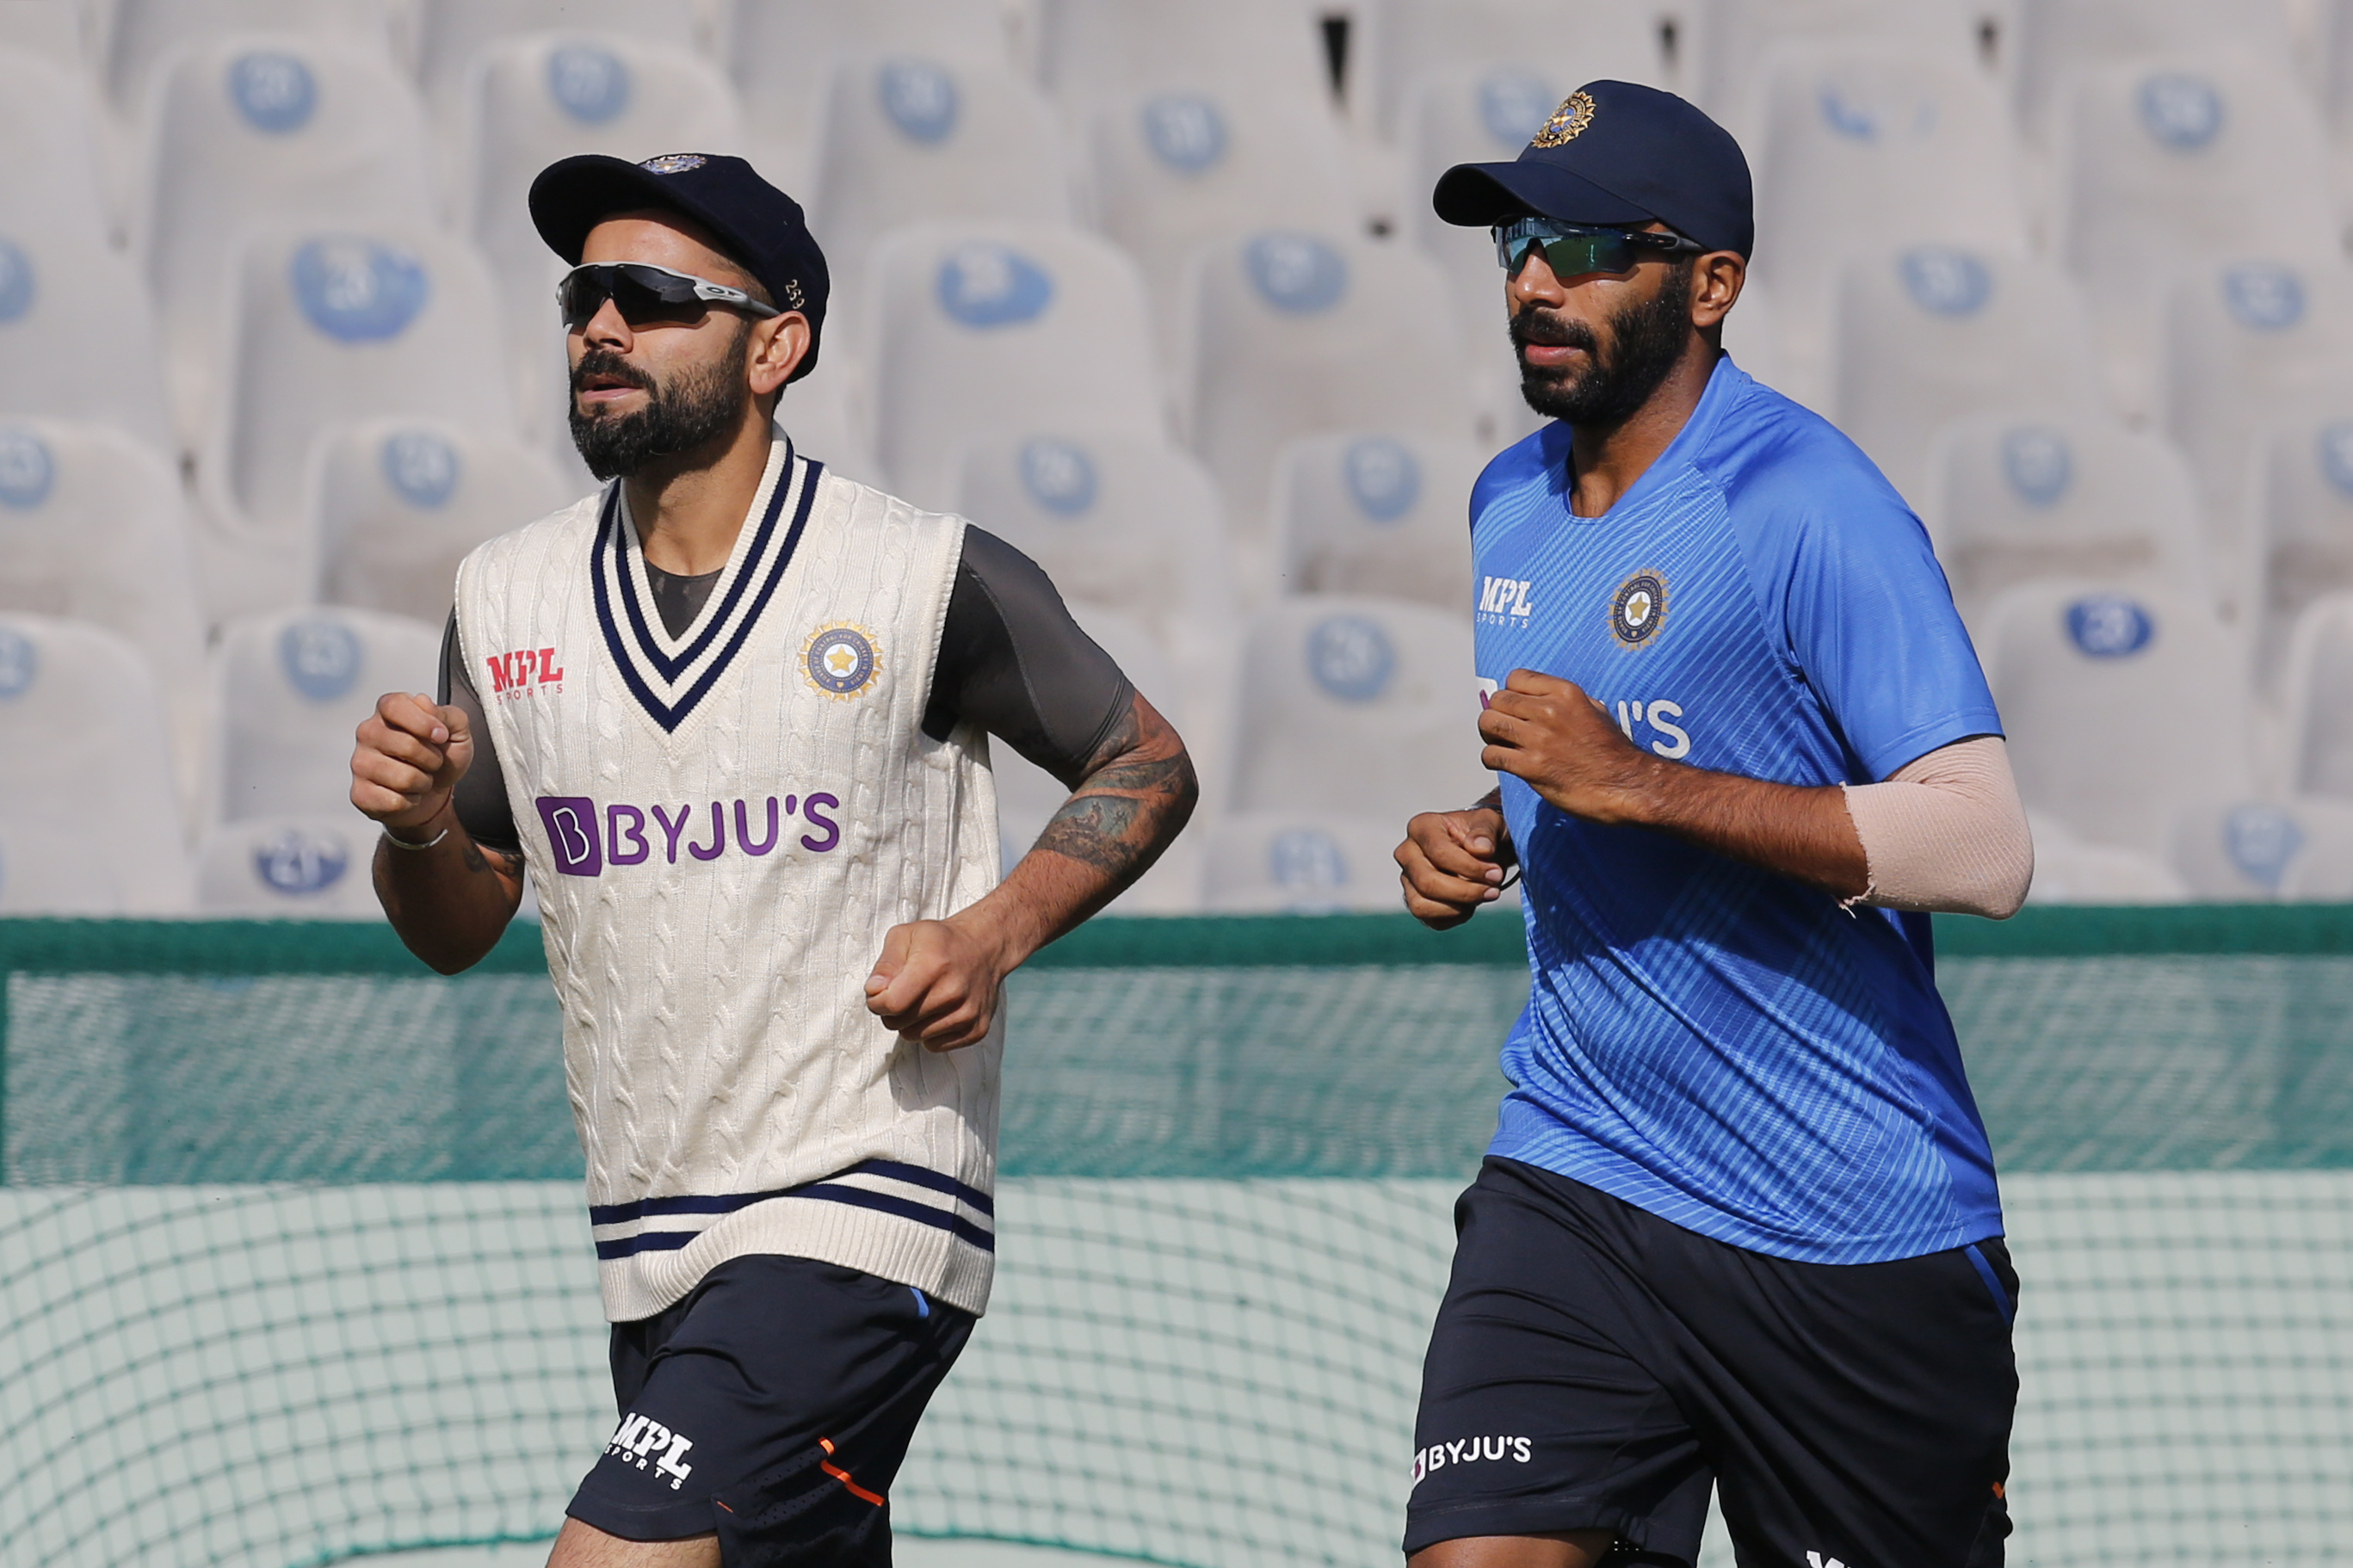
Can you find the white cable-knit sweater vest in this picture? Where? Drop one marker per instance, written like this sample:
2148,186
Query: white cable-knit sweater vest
722,826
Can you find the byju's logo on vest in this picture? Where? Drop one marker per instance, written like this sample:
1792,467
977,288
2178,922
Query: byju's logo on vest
1351,657
984,284
321,659
274,93
1298,274
1945,282
1185,132
2263,296
919,99
421,467
1059,476
1384,480
358,290
301,863
16,280
590,85
1514,108
2036,462
586,839
2183,113
2108,627
26,470
20,664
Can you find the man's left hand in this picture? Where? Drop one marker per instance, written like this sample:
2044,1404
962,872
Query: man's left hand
1547,731
937,983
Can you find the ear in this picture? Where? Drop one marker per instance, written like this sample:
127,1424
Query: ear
1717,280
777,347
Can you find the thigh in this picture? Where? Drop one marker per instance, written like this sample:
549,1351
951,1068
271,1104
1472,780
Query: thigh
1541,1413
772,1407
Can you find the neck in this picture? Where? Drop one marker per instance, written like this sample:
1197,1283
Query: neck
689,509
1607,460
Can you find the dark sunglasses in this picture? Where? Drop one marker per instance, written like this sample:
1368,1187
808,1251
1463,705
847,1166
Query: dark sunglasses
1573,250
645,294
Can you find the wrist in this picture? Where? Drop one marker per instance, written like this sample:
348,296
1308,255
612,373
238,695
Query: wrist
1002,948
416,832
1638,797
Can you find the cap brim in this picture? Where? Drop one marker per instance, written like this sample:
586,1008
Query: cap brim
575,194
1479,195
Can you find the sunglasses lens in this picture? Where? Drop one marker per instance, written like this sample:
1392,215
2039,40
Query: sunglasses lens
642,294
1568,255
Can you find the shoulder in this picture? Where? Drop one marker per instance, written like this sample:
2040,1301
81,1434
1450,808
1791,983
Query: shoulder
557,531
870,510
1776,461
1535,465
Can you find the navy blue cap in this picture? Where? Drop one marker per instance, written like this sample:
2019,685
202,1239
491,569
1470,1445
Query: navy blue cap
1615,153
756,223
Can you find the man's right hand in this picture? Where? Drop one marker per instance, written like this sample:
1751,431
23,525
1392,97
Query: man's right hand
410,756
1452,862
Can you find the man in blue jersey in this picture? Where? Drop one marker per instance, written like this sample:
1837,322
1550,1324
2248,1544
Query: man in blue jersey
1737,1228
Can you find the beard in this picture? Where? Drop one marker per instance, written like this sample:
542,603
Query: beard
693,408
1647,339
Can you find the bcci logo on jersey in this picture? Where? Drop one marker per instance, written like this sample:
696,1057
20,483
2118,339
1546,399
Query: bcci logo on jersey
841,660
1639,608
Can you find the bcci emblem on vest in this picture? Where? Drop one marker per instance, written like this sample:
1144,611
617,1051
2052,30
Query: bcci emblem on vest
1639,608
841,660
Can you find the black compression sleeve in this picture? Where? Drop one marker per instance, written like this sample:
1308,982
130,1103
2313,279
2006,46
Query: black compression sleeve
481,797
1013,661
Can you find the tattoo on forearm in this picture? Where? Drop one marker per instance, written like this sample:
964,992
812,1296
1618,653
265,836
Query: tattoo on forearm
1138,793
471,855
1095,829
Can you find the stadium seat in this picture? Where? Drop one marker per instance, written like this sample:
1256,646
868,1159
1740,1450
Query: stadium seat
1300,863
54,173
989,330
143,35
77,309
1366,512
2054,40
2122,705
1094,52
1937,332
2251,850
313,867
290,687
1394,42
326,327
2302,512
1355,705
1862,146
1735,38
258,127
2018,496
911,139
2317,704
398,502
451,34
2178,161
782,52
85,772
1180,166
51,29
1289,333
93,527
2067,870
538,99
2248,343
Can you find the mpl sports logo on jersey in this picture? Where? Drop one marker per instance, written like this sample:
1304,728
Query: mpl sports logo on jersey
641,1440
1468,1451
586,838
1503,601
523,671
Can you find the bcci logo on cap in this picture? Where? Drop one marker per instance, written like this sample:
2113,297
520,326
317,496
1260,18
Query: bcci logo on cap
841,661
1639,608
1567,123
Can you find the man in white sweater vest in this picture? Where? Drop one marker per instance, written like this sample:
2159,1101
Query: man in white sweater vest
733,713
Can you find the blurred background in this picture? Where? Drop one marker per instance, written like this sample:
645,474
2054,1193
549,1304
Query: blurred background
1154,291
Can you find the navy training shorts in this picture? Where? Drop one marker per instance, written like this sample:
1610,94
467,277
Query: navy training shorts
1595,1367
773,1405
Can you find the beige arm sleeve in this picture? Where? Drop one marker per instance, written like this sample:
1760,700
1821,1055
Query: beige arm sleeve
1947,833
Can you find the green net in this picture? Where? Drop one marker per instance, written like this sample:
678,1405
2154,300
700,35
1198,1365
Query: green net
294,1268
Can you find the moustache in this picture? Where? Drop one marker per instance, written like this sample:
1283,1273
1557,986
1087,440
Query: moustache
1533,327
604,361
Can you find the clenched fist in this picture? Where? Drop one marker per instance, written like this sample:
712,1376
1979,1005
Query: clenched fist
938,981
411,755
1451,862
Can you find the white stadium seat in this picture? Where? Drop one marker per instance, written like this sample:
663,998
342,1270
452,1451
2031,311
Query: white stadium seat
1735,35
2251,850
1936,332
1289,333
258,127
1368,512
1361,706
93,526
913,140
144,34
453,34
535,100
1091,52
782,52
1862,145
2302,512
77,309
2122,705
85,772
290,688
1571,43
51,29
308,866
2176,161
1300,863
2018,496
328,326
396,504
50,123
988,331
2247,344
2067,870
2054,40
2318,700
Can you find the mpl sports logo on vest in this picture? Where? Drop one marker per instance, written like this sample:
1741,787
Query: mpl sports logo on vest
587,839
523,671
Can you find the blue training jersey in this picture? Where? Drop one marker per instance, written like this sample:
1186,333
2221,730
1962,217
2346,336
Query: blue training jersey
1721,1046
